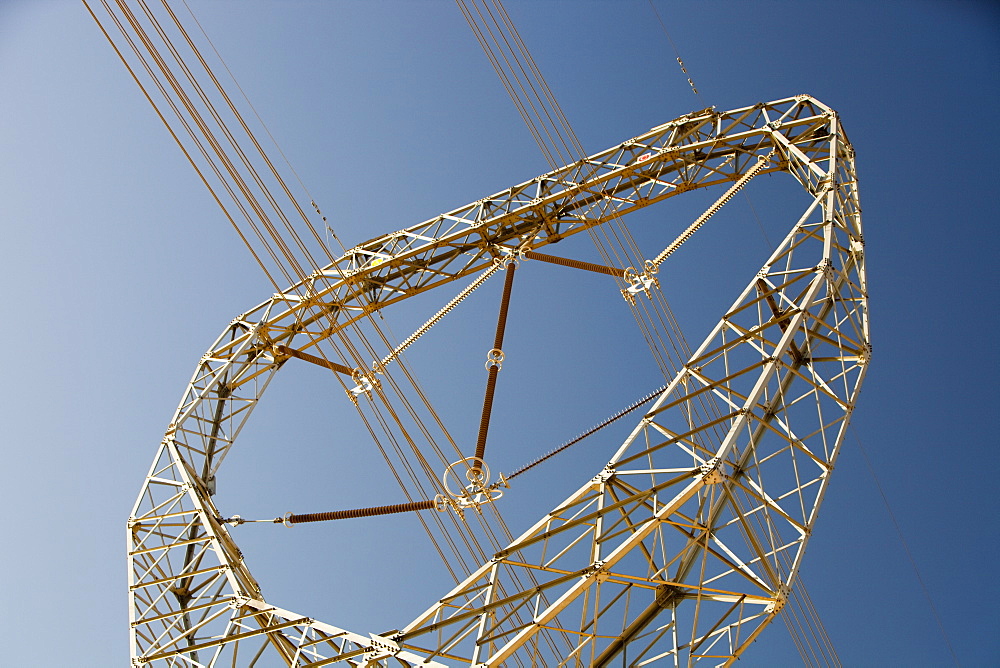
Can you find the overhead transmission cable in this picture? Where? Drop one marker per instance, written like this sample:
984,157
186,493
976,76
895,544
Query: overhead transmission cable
906,549
208,155
199,131
177,138
616,245
552,131
677,54
808,633
545,119
246,99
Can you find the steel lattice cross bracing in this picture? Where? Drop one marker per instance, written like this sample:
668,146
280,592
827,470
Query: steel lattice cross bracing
681,550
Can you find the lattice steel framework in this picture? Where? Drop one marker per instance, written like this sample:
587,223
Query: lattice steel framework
681,550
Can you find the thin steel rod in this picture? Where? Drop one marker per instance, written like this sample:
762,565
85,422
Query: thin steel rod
436,317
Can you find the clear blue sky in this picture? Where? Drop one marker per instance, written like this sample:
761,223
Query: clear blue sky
120,271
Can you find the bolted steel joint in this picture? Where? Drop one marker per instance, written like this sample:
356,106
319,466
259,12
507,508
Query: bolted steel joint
825,267
606,474
238,601
780,598
383,644
668,596
593,568
710,471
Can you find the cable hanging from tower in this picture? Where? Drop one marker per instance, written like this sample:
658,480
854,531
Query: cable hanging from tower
208,126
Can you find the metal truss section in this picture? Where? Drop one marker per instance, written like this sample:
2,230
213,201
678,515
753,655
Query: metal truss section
688,543
680,551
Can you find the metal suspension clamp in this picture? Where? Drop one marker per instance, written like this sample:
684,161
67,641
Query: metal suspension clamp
494,358
505,256
365,384
640,282
474,490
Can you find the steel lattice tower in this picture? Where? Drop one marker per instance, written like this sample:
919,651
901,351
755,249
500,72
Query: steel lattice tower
681,550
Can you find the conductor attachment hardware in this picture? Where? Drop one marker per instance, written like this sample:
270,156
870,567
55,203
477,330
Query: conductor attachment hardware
467,483
640,282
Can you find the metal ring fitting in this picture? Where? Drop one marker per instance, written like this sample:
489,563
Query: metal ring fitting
494,358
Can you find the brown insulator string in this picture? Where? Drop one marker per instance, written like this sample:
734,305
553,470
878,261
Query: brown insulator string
438,503
484,422
494,367
576,264
357,512
762,162
620,414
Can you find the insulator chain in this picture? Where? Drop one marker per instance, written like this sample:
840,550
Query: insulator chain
642,282
379,366
366,382
762,162
467,483
576,264
684,70
438,503
601,425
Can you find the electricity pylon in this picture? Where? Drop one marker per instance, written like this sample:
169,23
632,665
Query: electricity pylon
681,550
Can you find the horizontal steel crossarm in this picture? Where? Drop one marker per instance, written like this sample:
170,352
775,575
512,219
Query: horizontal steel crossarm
689,153
684,154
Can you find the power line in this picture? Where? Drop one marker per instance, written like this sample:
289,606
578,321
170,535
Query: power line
906,547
